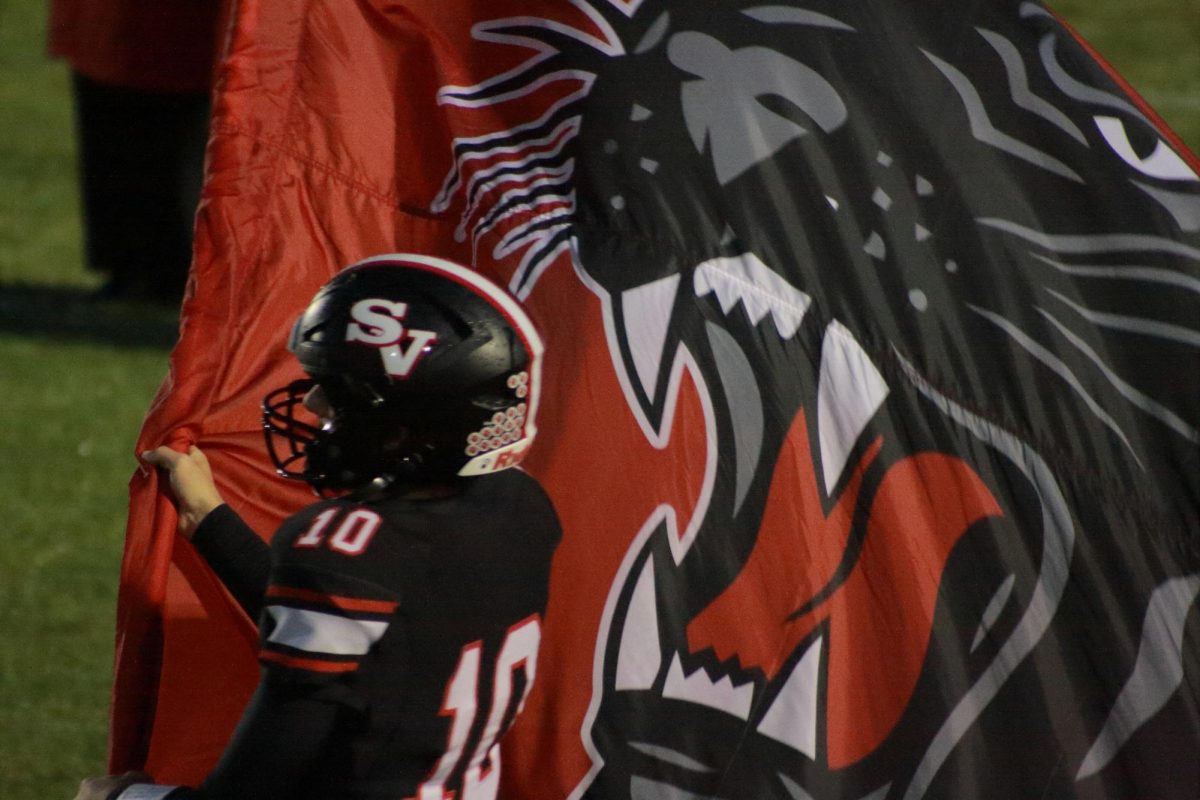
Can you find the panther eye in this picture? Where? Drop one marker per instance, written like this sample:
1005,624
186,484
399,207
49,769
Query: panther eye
1163,163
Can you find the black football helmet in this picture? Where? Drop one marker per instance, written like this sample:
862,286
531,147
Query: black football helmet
431,370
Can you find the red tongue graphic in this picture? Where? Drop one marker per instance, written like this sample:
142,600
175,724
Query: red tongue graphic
797,550
879,619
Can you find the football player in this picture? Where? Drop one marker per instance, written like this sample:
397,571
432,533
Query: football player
399,615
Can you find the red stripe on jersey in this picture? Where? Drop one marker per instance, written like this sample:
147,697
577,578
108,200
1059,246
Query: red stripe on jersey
342,603
310,664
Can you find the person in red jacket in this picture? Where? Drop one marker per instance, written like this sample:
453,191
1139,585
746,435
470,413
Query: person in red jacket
141,77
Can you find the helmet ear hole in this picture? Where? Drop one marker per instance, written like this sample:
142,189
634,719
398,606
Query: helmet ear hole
349,394
491,402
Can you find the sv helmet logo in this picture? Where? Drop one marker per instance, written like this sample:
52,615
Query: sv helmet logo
377,322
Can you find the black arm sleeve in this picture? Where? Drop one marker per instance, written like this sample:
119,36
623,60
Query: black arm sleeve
236,553
276,746
275,749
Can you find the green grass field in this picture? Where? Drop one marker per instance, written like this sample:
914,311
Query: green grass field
76,379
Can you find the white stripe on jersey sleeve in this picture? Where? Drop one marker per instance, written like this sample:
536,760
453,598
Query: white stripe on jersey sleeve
145,791
329,634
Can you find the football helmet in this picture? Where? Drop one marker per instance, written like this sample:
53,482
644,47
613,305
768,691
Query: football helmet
431,372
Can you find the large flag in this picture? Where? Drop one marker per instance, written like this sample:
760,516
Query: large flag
873,382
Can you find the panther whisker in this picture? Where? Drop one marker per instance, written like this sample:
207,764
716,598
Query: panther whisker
1140,325
1094,243
1126,272
1056,365
1129,392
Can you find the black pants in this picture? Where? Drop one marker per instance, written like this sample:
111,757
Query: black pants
141,157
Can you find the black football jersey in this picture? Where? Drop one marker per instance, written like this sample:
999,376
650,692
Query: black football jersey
409,630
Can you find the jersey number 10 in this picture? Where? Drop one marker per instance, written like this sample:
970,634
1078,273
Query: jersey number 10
350,538
481,782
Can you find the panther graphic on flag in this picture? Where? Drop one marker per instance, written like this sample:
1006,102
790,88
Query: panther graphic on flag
919,297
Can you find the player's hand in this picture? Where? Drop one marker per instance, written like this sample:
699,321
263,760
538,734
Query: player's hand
191,482
109,786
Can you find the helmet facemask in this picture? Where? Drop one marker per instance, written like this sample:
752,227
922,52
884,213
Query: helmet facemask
288,437
361,444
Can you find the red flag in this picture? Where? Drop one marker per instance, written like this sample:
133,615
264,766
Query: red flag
871,404
328,145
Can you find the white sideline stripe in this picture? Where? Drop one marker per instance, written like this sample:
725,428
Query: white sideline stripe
145,791
316,632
